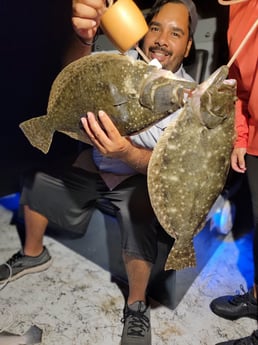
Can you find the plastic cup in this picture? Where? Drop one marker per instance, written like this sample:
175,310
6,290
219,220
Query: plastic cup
124,24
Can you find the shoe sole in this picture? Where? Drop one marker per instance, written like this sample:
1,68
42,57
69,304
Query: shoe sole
35,269
149,342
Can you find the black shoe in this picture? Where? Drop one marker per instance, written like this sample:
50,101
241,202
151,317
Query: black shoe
19,265
137,328
234,307
251,340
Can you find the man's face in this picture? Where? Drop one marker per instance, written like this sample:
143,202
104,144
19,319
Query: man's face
168,37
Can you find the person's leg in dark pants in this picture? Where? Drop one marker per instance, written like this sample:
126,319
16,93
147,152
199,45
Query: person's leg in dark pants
65,201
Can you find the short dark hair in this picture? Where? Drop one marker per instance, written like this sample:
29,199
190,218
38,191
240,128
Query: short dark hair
188,3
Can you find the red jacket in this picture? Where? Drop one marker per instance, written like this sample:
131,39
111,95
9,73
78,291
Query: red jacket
245,71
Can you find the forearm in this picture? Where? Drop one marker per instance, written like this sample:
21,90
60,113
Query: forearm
136,157
86,16
76,49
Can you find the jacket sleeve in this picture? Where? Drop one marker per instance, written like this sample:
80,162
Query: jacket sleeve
241,110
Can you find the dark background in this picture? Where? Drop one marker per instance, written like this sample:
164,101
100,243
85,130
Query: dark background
34,37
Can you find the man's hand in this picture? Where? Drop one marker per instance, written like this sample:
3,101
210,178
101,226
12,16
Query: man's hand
106,138
238,160
86,17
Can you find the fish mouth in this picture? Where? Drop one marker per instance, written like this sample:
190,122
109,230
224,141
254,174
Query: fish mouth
216,78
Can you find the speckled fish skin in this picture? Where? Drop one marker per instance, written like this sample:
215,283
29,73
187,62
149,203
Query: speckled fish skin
190,163
134,94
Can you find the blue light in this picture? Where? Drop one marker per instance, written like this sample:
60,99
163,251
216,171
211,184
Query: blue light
10,202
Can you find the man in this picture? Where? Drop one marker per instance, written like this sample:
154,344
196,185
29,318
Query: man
118,172
244,157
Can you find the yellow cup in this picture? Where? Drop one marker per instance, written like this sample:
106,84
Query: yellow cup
124,24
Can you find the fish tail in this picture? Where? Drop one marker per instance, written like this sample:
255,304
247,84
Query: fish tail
38,132
180,259
33,335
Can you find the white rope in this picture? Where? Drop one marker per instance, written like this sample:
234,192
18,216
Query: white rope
230,2
145,58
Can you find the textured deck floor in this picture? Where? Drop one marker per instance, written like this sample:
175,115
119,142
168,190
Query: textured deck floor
75,302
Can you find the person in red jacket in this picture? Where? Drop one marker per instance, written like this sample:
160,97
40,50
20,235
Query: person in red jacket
244,159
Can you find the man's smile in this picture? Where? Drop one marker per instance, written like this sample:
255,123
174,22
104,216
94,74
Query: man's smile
159,53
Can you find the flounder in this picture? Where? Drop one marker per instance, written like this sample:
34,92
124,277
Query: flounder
134,94
189,164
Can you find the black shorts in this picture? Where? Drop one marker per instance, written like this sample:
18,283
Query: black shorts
68,199
252,173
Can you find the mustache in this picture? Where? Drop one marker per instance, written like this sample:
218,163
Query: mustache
156,48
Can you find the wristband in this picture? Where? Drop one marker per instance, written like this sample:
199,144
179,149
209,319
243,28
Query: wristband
88,44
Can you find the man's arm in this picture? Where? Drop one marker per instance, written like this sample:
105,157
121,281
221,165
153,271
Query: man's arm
85,21
109,142
106,138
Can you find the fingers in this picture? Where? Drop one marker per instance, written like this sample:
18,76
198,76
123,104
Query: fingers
104,135
86,16
102,128
88,9
108,125
89,129
95,132
238,160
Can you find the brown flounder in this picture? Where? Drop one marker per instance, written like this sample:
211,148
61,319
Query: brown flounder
190,162
134,94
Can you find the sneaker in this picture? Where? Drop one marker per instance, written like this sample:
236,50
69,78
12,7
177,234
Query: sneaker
137,328
234,307
251,340
19,265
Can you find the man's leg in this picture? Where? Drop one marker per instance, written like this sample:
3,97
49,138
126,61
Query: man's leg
33,257
245,305
65,202
137,326
35,225
139,247
252,171
138,273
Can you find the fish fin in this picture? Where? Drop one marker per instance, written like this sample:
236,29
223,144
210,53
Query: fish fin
38,132
117,97
161,97
180,259
164,94
33,335
77,136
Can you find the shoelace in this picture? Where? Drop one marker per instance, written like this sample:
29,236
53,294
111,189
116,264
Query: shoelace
252,340
9,264
138,323
14,258
245,297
